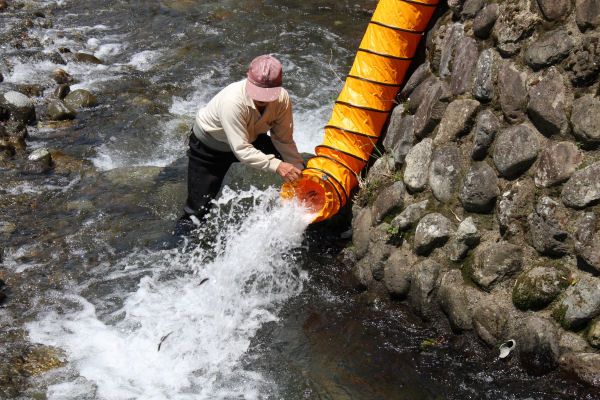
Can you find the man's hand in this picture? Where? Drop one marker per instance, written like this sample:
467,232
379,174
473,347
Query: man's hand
288,172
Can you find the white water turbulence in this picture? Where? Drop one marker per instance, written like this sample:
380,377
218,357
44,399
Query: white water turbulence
183,333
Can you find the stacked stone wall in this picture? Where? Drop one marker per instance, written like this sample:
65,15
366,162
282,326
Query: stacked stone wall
484,205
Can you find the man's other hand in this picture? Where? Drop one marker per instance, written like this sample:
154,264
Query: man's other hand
288,172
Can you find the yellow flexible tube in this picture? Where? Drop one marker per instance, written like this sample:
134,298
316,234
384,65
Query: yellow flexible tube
363,106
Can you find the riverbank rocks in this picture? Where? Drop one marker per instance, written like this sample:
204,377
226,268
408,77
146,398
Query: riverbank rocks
39,162
583,188
80,98
586,120
538,287
495,262
433,231
515,151
580,304
584,367
59,111
389,199
496,138
18,106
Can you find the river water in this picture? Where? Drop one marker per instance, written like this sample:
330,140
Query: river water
254,305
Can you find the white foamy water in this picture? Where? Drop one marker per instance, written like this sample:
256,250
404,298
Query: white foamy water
203,318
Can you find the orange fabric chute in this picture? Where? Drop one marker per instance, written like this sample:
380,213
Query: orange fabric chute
363,105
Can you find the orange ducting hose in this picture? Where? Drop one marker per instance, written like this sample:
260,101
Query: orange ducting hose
363,106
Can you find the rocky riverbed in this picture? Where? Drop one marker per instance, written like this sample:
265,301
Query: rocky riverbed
483,210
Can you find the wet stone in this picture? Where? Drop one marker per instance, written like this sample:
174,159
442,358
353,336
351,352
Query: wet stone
80,98
86,58
583,188
485,20
409,216
417,165
538,287
513,92
557,163
586,120
444,172
485,131
421,295
39,162
580,304
554,9
431,109
479,189
58,111
415,80
62,77
457,300
515,150
62,91
494,262
547,104
463,65
483,85
433,231
391,198
457,120
587,14
538,345
549,50
583,366
21,108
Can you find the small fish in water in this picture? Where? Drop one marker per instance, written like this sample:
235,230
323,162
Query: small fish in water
162,339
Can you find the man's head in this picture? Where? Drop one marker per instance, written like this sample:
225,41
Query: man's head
264,79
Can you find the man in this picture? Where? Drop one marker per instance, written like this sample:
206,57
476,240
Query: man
232,127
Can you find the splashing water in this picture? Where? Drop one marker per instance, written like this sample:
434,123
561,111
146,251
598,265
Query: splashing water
183,332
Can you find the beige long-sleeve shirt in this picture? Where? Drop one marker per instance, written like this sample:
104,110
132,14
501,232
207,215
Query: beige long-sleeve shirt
231,118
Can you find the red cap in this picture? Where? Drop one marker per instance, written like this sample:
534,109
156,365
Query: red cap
264,79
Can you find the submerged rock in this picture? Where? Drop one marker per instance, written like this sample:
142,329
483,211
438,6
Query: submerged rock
80,98
58,111
39,162
19,106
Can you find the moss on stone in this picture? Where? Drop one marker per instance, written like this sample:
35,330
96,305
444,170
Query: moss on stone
559,314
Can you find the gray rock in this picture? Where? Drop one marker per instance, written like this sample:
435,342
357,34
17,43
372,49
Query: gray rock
490,319
379,251
19,106
583,366
417,95
479,188
86,58
391,198
80,98
457,120
485,131
579,305
538,345
514,206
421,295
587,241
586,120
587,14
572,342
483,85
417,165
458,300
362,272
453,33
554,9
515,22
456,6
547,104
583,188
409,216
415,80
392,130
361,226
433,231
398,271
485,20
593,334
431,109
6,228
380,169
495,262
538,287
471,7
557,163
549,50
402,138
464,63
39,162
515,150
583,63
467,237
548,228
444,172
58,111
513,92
